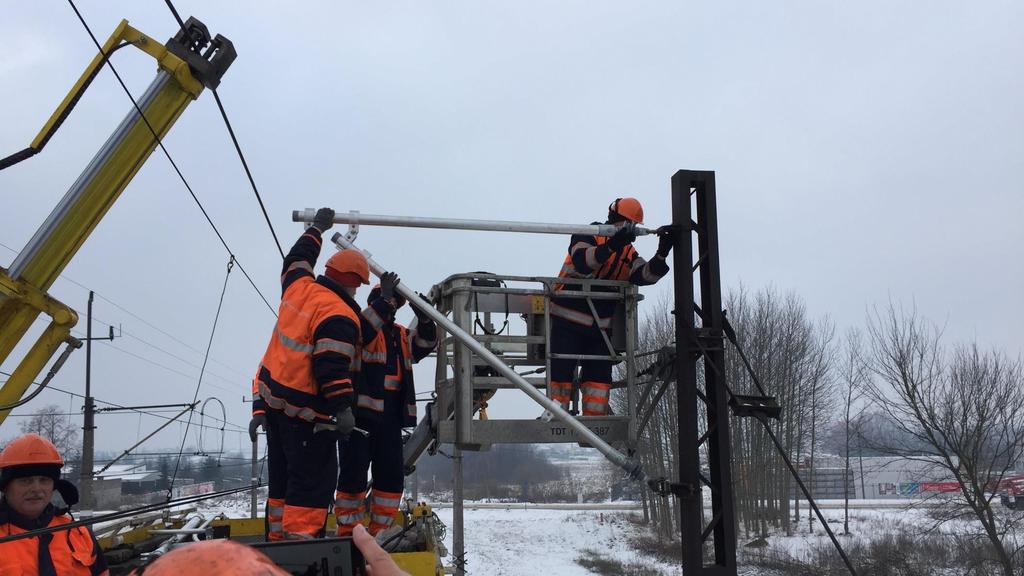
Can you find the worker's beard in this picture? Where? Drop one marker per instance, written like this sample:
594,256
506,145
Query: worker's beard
350,290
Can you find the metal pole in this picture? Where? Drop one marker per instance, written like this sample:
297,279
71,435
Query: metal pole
458,525
719,448
359,219
253,511
139,443
88,445
630,465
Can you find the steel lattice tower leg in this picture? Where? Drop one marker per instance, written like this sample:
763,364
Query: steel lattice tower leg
709,548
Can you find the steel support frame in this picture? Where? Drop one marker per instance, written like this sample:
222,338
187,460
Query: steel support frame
709,548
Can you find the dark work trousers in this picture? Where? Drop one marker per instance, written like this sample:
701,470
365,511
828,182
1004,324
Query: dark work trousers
380,453
595,375
302,470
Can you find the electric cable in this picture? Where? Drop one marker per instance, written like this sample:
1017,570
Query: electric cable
234,139
199,384
124,332
126,513
160,143
238,429
245,165
167,368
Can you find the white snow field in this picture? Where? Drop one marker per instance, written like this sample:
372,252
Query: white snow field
532,539
518,542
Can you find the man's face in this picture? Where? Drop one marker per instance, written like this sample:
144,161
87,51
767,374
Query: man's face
29,496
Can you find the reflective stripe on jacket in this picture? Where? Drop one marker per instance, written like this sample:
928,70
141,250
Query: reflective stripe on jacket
589,257
376,385
286,381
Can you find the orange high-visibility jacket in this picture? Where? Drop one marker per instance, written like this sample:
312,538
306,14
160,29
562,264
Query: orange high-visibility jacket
591,257
73,552
307,368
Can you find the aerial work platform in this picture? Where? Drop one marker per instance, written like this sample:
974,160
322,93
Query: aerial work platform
463,378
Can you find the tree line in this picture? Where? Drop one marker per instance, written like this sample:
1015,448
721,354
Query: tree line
893,387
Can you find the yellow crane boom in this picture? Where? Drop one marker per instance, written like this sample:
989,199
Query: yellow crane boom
187,63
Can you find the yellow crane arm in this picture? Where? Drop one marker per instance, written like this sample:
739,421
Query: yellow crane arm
187,63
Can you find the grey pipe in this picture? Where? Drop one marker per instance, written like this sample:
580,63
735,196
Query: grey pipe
463,224
630,465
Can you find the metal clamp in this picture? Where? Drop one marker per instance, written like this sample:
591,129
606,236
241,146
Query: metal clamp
353,226
663,487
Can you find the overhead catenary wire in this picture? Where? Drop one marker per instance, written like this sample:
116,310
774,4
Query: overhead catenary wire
237,428
227,123
199,383
129,334
234,139
245,165
167,368
174,165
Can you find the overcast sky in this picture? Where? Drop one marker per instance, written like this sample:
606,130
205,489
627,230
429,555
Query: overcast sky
863,151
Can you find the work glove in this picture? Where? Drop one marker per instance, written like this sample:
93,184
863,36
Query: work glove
259,420
666,240
420,314
323,220
625,236
346,421
388,281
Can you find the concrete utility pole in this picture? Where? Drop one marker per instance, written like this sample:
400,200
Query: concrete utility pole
89,425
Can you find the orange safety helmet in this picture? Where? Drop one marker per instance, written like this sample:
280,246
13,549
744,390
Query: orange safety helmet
30,449
350,262
628,208
222,557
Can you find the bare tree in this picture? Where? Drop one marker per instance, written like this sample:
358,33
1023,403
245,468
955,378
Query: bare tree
822,387
51,423
790,353
964,408
853,374
659,439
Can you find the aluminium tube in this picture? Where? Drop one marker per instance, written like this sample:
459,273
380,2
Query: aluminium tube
463,224
630,465
192,523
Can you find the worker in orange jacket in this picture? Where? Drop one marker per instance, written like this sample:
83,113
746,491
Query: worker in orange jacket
386,404
303,392
29,475
574,329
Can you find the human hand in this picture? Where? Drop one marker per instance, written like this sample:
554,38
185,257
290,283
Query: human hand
324,219
421,315
378,562
346,421
626,235
258,421
388,282
666,240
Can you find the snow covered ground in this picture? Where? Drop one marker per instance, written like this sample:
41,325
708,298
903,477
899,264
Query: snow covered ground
518,542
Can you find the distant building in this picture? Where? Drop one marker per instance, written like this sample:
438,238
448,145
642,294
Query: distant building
134,478
892,477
